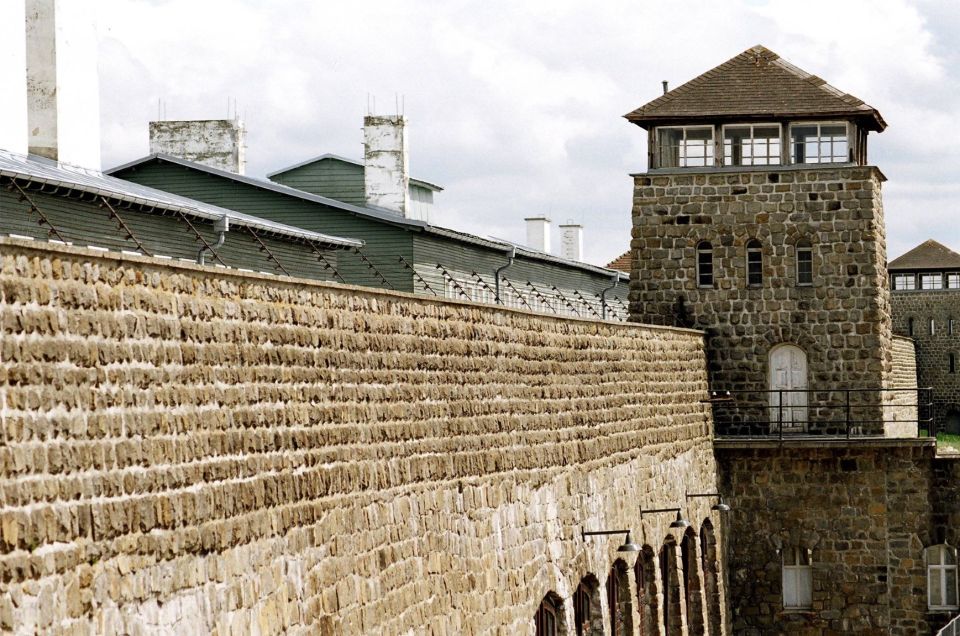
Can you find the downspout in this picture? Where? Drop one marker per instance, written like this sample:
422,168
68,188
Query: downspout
496,276
603,296
222,226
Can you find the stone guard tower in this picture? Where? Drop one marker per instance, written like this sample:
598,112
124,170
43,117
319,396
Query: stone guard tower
760,221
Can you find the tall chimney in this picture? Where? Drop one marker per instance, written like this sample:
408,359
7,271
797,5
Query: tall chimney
571,241
538,233
386,179
63,100
218,143
13,77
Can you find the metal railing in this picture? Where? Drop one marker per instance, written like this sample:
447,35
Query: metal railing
952,628
832,412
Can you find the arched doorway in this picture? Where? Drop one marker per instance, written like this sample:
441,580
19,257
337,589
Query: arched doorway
951,423
549,617
711,577
618,600
787,366
693,599
587,615
672,592
645,575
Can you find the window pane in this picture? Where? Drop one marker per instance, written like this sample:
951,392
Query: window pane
804,587
789,587
953,281
804,266
931,281
668,146
935,595
950,593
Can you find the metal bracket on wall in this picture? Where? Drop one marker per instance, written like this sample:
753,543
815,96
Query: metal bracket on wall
569,305
183,217
456,283
266,250
326,263
123,226
484,284
417,275
542,298
506,281
366,261
33,208
587,303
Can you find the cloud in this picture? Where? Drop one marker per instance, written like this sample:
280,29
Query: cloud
515,108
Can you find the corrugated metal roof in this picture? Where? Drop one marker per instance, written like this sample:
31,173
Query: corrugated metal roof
372,213
329,156
41,170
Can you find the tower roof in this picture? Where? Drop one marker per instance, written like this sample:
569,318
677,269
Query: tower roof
757,84
927,255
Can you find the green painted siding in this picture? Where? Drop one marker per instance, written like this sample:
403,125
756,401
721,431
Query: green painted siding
465,262
328,178
85,224
385,242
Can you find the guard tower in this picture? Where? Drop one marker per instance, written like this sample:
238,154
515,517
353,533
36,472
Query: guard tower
760,221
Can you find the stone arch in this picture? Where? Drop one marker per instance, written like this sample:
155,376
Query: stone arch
692,584
587,611
645,577
619,603
549,619
710,566
671,591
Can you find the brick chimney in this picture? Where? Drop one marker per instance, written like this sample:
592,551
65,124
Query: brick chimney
218,143
386,179
63,100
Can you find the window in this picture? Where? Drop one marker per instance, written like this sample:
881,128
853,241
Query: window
933,327
797,578
705,264
685,146
953,280
941,576
910,326
902,282
952,363
950,326
754,263
819,143
548,617
931,281
804,263
751,145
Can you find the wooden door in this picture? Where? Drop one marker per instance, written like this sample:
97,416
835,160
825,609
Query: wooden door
788,381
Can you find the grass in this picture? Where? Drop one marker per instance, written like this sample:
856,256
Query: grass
947,443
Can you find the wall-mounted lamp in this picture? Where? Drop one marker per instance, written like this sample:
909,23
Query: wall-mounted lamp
628,545
719,506
679,522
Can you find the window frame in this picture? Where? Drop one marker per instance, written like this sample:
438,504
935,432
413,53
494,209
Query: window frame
546,621
938,276
710,148
794,571
705,248
912,282
751,126
953,280
806,247
754,246
943,569
819,124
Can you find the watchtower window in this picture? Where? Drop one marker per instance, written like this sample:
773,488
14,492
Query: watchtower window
904,282
804,263
819,143
953,280
685,146
931,281
751,145
754,263
705,264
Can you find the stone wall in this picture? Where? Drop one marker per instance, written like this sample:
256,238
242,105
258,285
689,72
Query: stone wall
901,414
214,452
933,350
841,321
865,512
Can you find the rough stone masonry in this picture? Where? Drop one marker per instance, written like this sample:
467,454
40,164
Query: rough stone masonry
199,450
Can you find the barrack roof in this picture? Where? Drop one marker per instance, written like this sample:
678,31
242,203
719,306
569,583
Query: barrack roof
331,157
927,255
756,84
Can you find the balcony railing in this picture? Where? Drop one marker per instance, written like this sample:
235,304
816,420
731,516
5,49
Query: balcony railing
857,412
951,629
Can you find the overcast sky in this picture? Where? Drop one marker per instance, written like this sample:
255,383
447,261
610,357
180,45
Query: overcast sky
516,107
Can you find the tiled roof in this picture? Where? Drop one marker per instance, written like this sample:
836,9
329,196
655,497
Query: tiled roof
621,263
927,255
757,83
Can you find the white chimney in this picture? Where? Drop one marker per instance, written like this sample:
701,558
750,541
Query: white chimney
386,178
13,77
538,233
218,143
571,241
63,94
